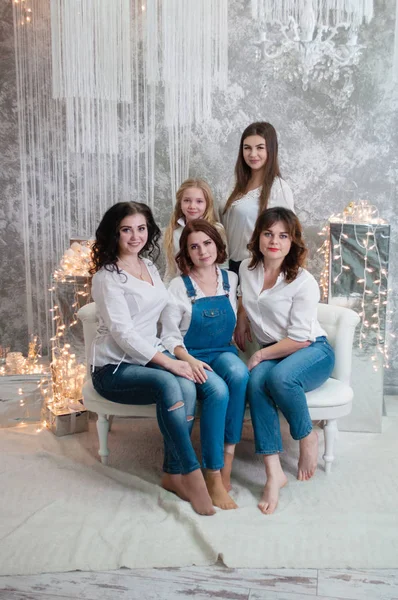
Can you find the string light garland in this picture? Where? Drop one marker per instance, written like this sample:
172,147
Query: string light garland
64,393
76,261
364,221
15,363
67,373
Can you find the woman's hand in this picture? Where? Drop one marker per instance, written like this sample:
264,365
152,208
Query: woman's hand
255,360
242,331
181,368
198,369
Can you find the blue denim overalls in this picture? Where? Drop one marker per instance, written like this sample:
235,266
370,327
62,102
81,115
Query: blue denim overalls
212,323
222,396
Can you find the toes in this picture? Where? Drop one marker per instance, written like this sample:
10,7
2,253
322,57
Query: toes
305,475
263,506
225,504
204,511
209,513
267,508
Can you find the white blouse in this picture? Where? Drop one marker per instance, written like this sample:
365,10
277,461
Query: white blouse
172,270
128,311
176,317
240,218
285,310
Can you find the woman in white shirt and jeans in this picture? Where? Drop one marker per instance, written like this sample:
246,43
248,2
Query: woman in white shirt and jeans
129,363
280,299
258,185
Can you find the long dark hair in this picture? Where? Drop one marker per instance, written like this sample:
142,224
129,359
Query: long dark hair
298,250
183,259
243,172
106,245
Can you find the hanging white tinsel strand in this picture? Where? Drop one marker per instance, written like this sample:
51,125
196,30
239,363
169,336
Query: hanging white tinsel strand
87,117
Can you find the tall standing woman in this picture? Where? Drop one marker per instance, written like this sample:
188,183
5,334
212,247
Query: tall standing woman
129,363
258,185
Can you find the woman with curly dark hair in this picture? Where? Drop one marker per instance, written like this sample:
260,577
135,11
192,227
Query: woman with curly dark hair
129,363
280,299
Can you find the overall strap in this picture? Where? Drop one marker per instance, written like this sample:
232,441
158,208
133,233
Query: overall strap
225,281
189,287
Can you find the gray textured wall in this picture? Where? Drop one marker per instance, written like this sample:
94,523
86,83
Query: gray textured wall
13,327
330,153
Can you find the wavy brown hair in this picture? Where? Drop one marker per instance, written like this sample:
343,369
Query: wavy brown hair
298,250
243,172
106,246
183,259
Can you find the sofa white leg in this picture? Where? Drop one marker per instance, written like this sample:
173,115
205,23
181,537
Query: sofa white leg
110,421
330,431
103,429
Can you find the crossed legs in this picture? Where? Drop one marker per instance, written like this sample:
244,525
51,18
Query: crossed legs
175,399
282,383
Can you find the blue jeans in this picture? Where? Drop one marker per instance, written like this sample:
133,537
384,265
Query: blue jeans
223,398
282,383
136,384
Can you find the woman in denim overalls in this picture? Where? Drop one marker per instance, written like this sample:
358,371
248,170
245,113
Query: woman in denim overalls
197,326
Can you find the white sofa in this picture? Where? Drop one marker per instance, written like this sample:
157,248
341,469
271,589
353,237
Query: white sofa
327,403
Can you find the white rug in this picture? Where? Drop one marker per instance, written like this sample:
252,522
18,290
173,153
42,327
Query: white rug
61,510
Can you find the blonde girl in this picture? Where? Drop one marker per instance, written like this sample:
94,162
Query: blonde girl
194,200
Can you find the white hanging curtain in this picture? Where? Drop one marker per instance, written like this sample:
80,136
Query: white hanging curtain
193,63
89,76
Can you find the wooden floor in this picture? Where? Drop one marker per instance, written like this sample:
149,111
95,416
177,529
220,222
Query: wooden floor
204,583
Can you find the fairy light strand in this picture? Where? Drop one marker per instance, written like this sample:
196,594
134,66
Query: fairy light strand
374,280
68,374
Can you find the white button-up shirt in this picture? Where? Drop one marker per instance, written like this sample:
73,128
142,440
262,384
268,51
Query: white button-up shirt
240,218
285,310
176,317
128,310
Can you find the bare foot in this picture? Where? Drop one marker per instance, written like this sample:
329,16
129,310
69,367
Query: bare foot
270,497
197,494
174,484
308,459
226,471
217,491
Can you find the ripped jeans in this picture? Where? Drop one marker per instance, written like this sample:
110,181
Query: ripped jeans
137,384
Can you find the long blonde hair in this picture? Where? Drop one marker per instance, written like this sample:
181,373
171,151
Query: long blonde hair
243,172
209,215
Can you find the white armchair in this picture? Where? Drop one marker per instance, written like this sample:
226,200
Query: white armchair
333,399
105,409
327,403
